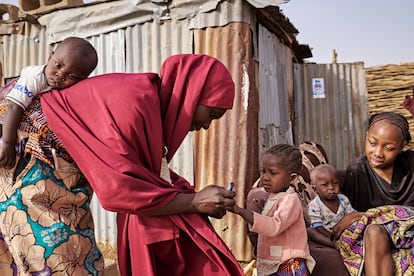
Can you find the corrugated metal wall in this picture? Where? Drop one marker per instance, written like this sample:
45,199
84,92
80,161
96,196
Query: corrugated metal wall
338,121
149,44
227,152
275,63
20,50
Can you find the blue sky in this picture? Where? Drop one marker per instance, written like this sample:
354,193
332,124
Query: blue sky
377,32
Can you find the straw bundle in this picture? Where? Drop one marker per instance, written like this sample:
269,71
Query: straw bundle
387,87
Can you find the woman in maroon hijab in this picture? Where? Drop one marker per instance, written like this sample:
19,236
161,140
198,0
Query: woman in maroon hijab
121,130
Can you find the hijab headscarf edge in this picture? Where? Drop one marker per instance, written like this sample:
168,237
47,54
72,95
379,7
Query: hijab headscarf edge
189,80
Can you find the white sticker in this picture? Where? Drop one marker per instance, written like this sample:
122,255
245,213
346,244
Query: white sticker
318,88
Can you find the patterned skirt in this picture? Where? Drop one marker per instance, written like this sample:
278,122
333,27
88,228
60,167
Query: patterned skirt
399,223
292,267
46,224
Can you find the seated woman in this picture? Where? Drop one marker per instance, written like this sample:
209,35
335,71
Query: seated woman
380,184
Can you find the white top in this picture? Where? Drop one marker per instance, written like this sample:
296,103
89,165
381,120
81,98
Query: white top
32,82
321,215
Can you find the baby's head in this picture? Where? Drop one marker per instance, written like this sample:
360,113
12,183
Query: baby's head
281,165
73,60
325,180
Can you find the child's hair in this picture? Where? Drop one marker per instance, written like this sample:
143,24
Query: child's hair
315,171
291,155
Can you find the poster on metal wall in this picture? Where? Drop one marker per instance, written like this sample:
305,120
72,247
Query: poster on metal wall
318,88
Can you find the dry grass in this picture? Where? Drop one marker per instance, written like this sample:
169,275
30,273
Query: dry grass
387,87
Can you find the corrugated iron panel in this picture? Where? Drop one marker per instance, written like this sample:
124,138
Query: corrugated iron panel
227,152
274,65
149,44
338,121
99,18
111,52
20,50
92,20
226,12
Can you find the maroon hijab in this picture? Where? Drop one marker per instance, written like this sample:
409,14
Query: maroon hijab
188,81
113,126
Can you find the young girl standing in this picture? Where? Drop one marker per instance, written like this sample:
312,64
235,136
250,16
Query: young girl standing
282,247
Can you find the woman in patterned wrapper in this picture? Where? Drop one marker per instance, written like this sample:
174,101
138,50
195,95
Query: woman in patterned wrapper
46,224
